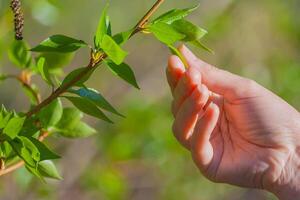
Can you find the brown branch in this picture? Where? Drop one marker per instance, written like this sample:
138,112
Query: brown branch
66,86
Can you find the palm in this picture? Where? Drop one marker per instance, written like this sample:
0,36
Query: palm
243,147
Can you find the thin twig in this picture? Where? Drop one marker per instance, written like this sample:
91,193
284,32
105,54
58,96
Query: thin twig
66,86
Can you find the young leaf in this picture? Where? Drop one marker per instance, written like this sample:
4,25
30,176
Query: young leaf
123,71
80,130
198,44
165,33
51,114
122,38
70,117
113,50
30,128
177,53
59,43
88,107
48,169
174,15
102,29
46,153
191,31
14,126
19,54
28,153
74,74
43,70
108,25
34,171
5,149
94,96
4,118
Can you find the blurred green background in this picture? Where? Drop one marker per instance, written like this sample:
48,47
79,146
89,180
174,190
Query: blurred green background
137,158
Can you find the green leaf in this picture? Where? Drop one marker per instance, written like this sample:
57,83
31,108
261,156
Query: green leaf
165,33
43,70
94,96
4,118
76,73
80,130
25,150
102,29
122,38
123,71
48,169
34,171
46,153
59,43
30,128
191,31
14,126
88,107
177,53
5,149
55,61
51,114
19,54
113,50
198,44
70,117
174,15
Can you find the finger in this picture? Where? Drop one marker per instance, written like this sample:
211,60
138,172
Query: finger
188,114
201,147
222,82
175,71
186,85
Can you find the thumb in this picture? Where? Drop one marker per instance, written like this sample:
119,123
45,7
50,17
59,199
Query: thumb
219,81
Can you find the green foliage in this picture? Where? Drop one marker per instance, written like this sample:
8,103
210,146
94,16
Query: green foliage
71,126
174,15
13,127
165,33
113,50
104,28
51,114
123,71
59,43
94,96
48,169
74,74
21,134
88,107
19,54
43,70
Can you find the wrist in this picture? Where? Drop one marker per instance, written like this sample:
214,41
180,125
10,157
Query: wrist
288,186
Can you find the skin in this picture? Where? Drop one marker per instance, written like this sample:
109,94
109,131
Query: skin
237,131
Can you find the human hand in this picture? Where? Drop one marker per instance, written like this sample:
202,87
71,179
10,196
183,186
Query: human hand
237,131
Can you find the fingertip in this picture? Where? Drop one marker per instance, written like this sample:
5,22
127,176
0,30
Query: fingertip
187,53
175,64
